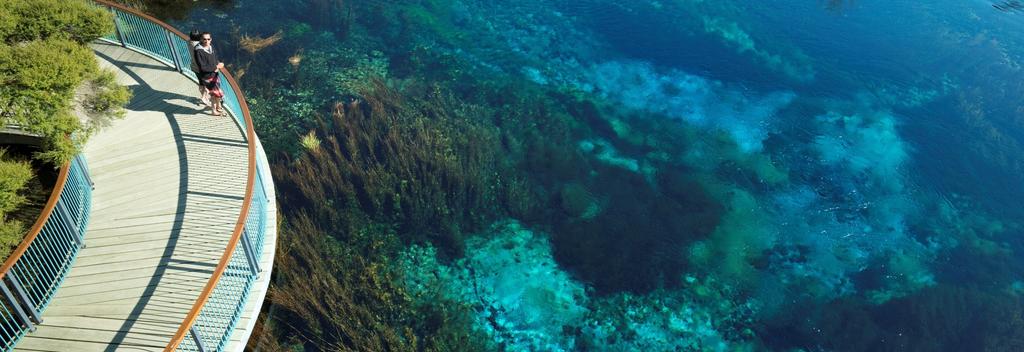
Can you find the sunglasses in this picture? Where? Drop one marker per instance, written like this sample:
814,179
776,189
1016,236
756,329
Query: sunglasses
206,39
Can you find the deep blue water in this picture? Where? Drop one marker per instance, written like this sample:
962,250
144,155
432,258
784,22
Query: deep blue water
897,128
861,46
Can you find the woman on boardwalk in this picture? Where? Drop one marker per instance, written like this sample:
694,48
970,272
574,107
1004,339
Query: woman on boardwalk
209,65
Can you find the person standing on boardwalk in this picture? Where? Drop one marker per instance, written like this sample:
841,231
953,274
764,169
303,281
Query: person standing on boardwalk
193,41
209,66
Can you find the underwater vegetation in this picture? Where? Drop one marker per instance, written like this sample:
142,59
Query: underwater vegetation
476,175
520,298
660,226
350,302
426,164
1009,6
172,9
386,173
941,318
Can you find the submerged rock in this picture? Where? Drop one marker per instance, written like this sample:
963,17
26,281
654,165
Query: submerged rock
578,202
523,300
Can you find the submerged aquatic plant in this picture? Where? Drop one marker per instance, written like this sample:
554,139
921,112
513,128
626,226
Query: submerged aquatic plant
941,318
394,167
253,44
425,164
310,142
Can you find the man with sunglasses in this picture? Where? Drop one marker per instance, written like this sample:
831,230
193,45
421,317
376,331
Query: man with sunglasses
209,66
193,41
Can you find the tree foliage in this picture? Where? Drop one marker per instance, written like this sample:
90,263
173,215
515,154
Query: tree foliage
77,20
51,86
14,176
50,79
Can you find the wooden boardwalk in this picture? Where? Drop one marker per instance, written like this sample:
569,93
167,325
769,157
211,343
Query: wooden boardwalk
169,183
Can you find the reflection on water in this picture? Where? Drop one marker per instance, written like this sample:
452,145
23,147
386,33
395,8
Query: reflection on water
1009,6
648,175
174,9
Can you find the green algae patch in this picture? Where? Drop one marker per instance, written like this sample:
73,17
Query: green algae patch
742,236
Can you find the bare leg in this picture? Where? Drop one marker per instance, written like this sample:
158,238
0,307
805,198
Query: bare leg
204,95
217,108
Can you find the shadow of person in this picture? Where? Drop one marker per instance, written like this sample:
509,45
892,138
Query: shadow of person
145,98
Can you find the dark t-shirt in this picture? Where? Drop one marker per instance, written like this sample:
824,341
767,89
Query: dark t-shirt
206,61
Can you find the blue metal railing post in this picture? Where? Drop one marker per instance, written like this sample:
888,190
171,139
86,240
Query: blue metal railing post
85,166
117,29
250,254
32,276
62,211
196,339
24,299
17,307
174,51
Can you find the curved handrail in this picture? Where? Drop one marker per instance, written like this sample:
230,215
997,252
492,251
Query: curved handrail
58,188
109,3
239,229
31,275
239,224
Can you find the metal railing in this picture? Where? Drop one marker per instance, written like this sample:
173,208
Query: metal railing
33,272
218,308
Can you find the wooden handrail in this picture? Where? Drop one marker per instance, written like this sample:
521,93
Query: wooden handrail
44,216
236,236
239,225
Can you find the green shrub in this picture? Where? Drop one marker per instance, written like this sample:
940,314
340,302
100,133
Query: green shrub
11,234
8,21
48,73
50,83
41,78
77,20
102,98
14,175
53,65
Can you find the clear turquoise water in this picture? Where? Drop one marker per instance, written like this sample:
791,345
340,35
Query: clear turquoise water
866,159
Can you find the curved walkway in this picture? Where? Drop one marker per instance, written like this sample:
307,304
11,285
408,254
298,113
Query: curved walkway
169,183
